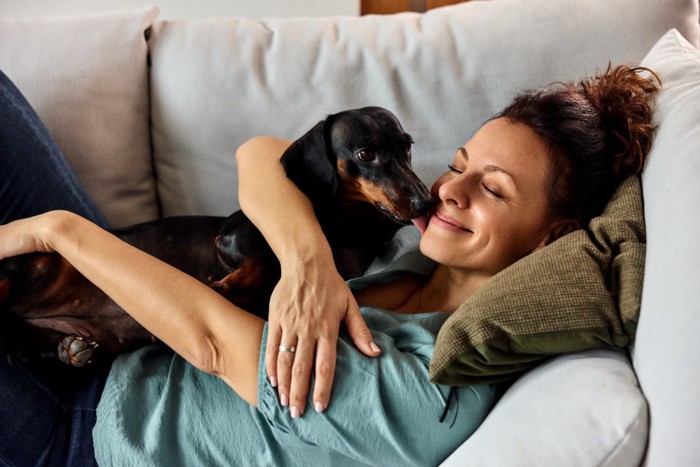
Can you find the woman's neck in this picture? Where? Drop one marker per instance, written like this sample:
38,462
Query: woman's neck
445,290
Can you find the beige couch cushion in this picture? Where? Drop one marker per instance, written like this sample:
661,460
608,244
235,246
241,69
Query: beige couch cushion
87,78
219,82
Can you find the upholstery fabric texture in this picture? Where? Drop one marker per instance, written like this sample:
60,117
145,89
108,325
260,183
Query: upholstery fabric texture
666,366
579,409
87,78
442,73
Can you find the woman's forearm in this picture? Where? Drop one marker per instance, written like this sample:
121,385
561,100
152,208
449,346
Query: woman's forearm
276,206
311,299
196,322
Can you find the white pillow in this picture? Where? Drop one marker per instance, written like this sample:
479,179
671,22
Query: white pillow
87,78
667,336
580,409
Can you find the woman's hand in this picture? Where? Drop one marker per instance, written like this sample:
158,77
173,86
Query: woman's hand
311,299
306,309
29,235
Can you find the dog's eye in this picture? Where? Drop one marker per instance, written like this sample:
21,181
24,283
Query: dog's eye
365,155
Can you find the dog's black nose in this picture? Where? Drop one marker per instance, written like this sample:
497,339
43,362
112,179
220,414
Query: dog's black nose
422,204
420,199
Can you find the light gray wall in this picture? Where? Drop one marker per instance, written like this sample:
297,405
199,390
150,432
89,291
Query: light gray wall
183,9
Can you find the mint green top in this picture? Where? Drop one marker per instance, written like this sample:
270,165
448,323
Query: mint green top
157,409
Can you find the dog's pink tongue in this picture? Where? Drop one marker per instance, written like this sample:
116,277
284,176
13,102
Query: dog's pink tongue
421,222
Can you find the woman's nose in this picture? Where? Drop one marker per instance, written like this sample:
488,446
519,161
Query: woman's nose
455,191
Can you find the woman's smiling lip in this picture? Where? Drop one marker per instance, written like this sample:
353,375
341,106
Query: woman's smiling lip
445,221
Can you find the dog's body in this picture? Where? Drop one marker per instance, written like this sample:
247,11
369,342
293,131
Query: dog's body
354,167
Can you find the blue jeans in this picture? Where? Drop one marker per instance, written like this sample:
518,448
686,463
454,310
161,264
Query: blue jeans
47,411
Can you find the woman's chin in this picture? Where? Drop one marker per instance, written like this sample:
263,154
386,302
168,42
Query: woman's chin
434,249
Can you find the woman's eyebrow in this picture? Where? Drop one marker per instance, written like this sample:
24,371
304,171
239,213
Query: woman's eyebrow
495,168
463,152
489,167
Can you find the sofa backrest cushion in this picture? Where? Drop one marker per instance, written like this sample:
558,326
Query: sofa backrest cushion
666,366
87,78
218,82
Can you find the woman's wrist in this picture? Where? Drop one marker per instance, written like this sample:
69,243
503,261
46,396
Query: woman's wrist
55,230
306,256
278,208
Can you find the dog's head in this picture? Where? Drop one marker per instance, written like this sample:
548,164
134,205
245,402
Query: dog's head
362,156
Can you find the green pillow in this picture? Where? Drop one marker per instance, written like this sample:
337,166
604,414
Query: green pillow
580,292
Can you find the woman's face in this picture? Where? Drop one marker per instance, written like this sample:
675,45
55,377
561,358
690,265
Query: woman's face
493,201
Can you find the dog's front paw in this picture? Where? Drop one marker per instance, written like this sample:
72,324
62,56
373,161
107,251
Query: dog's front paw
76,351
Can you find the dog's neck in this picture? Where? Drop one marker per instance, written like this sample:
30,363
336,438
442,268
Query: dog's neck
352,222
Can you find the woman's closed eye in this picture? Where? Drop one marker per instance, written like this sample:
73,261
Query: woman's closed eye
454,169
491,191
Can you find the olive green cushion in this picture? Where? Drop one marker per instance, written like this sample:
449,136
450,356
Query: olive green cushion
582,291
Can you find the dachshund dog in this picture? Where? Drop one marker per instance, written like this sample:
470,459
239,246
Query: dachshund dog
354,166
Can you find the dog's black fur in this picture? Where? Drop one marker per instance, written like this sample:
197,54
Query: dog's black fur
354,167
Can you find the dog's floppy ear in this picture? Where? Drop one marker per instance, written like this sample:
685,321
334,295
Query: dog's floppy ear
311,164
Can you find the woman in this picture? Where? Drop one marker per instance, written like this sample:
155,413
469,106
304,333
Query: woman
541,168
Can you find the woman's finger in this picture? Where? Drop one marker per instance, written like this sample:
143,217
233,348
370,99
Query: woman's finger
359,332
286,353
301,374
274,334
325,372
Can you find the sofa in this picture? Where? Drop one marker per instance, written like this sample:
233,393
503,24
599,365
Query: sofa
150,113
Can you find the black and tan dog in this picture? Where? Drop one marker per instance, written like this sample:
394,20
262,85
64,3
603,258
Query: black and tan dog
355,167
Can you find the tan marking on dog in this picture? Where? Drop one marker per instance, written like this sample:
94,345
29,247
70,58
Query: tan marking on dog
359,189
248,277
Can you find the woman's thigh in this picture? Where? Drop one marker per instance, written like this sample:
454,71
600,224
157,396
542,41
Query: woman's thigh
46,411
34,175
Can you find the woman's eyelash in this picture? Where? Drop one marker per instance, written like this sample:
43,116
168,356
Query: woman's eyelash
490,191
493,193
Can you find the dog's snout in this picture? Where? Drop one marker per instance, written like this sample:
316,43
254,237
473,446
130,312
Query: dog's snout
422,204
420,199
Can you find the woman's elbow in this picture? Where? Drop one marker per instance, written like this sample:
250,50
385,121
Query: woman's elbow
246,150
207,356
260,147
240,373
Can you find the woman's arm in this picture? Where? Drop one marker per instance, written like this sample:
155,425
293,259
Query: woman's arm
311,298
200,325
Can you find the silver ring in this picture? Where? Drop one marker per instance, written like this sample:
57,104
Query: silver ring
287,348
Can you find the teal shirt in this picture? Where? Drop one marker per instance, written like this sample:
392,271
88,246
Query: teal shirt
159,410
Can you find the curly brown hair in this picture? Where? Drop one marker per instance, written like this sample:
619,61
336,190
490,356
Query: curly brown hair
598,130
